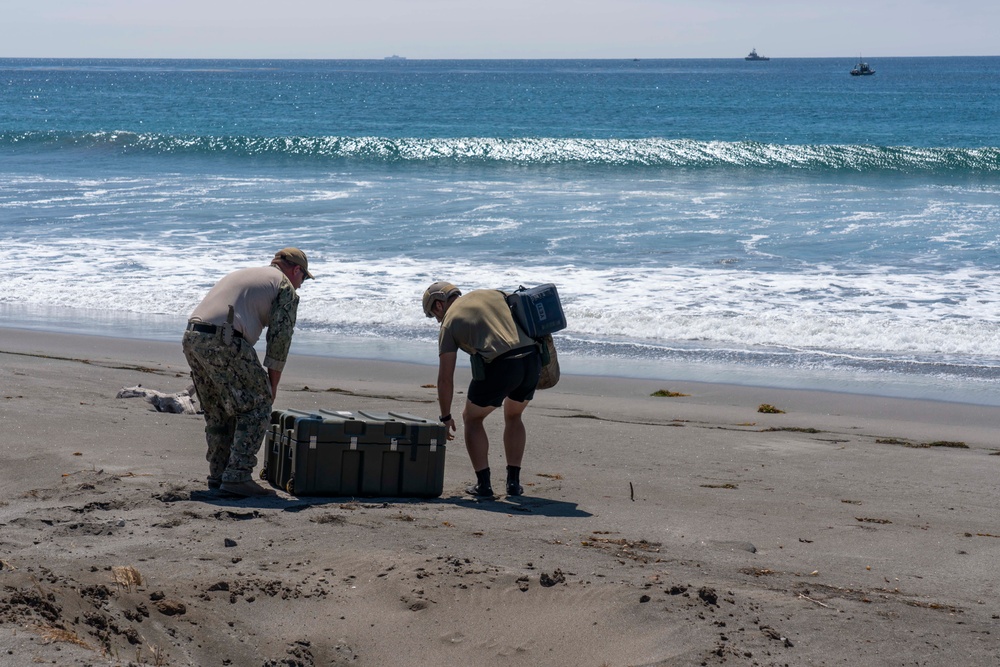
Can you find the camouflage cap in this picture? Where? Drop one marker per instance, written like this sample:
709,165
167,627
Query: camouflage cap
294,256
439,291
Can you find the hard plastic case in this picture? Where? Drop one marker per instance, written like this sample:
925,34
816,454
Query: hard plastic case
341,453
537,310
275,470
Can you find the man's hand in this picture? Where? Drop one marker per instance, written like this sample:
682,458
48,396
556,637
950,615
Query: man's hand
273,377
446,388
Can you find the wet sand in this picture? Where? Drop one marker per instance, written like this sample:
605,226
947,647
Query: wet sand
688,530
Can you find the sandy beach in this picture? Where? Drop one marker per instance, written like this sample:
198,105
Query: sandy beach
685,530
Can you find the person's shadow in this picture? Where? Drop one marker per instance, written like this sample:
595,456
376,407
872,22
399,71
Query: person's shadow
242,508
520,504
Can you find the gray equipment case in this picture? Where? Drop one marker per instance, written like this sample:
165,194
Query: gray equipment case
339,453
537,310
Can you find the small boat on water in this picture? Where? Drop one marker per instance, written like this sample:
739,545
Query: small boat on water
862,69
753,55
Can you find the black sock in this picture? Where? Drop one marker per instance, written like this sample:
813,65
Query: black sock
514,474
483,478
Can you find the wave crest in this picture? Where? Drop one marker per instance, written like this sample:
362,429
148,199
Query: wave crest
649,152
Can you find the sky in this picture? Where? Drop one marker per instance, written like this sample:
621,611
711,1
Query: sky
444,29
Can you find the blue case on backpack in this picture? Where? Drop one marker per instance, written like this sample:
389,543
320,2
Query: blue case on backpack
537,310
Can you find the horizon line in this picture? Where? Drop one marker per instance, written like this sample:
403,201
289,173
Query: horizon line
397,58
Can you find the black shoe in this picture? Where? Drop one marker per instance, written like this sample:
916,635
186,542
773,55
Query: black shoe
514,489
214,483
481,491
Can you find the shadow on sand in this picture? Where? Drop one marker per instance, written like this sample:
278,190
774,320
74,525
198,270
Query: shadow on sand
243,508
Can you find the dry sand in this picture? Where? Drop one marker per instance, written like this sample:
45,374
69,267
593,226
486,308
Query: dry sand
690,530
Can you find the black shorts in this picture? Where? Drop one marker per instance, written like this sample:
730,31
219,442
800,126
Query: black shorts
511,378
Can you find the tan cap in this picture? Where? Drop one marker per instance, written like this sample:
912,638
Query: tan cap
439,291
294,256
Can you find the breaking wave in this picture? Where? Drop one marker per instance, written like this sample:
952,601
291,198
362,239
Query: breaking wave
627,153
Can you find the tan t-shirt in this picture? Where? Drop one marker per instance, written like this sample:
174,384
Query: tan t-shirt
261,297
480,321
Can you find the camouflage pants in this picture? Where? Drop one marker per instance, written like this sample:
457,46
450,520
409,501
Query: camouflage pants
235,394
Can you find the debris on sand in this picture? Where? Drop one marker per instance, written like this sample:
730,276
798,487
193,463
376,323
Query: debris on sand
666,393
548,581
181,402
126,577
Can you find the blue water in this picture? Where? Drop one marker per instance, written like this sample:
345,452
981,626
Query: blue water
773,223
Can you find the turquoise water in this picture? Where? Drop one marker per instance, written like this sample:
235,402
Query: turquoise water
778,223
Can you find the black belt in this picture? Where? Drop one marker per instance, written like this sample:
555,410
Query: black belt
201,327
516,353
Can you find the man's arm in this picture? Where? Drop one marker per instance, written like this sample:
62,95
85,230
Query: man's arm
446,388
273,377
284,309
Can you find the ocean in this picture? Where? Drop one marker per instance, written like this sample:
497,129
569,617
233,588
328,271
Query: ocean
776,224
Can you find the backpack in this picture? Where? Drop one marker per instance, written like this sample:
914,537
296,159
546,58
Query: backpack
537,310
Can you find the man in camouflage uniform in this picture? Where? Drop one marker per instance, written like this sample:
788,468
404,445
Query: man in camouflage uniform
235,390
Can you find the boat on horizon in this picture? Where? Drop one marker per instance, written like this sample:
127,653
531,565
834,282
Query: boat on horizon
394,57
862,69
753,55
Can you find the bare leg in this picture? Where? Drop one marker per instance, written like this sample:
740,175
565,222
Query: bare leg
477,443
514,434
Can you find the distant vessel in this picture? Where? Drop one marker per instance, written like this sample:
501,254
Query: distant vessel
394,57
753,56
862,69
